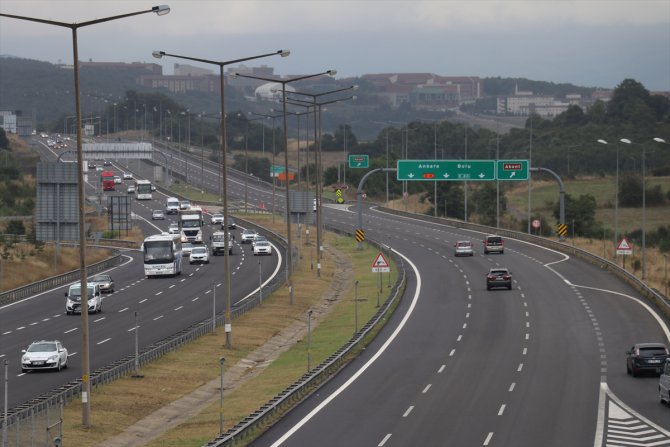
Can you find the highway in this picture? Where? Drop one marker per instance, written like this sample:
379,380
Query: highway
541,364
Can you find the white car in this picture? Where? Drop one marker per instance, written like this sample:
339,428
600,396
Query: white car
199,255
248,236
131,189
117,180
184,204
464,248
127,176
217,219
262,248
258,238
186,248
173,228
44,354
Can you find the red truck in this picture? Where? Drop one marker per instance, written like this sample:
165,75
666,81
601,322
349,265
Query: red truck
107,178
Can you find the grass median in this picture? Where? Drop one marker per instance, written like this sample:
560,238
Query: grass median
118,405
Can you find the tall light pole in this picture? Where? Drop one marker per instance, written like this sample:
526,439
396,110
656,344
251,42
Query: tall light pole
616,196
224,169
317,156
284,82
272,164
644,202
85,360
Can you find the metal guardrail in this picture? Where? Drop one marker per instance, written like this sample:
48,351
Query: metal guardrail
662,302
312,380
55,281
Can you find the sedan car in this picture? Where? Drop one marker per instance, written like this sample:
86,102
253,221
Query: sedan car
157,215
464,248
499,277
248,236
117,180
184,204
131,189
262,248
105,282
186,248
258,238
217,219
127,176
199,255
173,228
231,223
44,355
646,357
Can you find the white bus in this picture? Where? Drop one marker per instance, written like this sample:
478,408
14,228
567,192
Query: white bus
143,190
162,255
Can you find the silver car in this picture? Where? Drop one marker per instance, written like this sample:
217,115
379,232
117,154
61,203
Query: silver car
199,255
105,282
464,248
44,354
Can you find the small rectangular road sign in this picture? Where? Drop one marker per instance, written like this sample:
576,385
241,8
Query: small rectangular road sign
359,161
512,170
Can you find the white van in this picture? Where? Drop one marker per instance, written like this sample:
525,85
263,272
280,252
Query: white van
73,303
664,383
172,205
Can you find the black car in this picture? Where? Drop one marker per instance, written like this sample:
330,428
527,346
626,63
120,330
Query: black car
646,357
499,277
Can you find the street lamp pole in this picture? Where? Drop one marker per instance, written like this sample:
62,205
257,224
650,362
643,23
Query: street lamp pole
616,196
224,169
289,254
85,359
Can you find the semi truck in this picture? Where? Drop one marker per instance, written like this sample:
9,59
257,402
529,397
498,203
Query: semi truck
191,225
107,179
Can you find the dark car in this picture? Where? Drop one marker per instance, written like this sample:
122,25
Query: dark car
646,357
499,277
105,282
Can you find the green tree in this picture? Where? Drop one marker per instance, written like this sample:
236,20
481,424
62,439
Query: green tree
581,211
4,141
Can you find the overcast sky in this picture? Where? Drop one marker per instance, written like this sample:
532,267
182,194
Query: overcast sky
594,43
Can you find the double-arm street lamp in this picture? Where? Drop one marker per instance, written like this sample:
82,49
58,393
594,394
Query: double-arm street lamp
85,360
316,107
644,204
283,82
224,166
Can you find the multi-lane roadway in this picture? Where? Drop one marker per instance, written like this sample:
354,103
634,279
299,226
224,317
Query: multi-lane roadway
541,364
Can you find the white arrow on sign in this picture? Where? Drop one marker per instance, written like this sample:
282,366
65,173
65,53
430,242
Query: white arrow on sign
446,175
481,175
358,164
410,175
512,174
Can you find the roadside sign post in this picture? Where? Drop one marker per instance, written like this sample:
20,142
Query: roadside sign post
624,248
379,265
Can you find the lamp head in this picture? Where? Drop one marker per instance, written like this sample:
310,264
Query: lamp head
331,72
626,140
354,87
659,140
158,54
602,141
233,75
284,53
353,98
161,10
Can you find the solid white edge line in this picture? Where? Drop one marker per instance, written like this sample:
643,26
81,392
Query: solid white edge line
600,425
374,358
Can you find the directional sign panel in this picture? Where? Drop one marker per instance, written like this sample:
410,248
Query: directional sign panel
359,161
512,170
449,170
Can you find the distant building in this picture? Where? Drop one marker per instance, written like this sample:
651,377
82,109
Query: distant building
150,68
190,70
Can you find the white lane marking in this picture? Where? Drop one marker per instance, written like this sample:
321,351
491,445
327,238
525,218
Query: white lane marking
386,438
159,293
99,319
172,286
525,351
123,310
70,330
408,411
367,364
179,308
425,390
34,323
459,338
451,354
511,387
158,317
195,299
520,367
145,299
103,341
20,328
465,325
488,438
502,409
439,371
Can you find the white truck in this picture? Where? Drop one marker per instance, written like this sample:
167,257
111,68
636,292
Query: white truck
172,205
219,243
191,225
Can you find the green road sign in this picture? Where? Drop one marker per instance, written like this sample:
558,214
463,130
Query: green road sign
449,170
275,170
359,161
512,170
